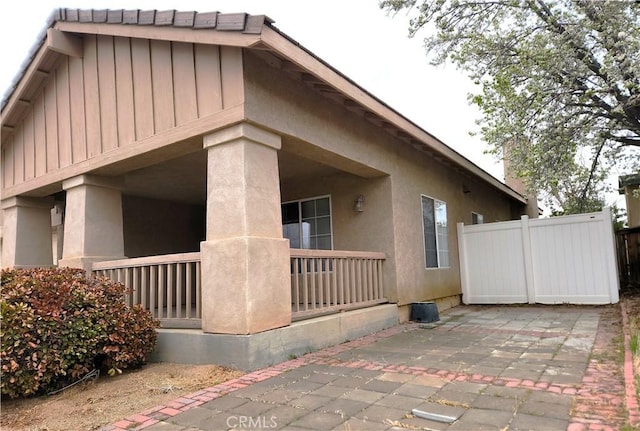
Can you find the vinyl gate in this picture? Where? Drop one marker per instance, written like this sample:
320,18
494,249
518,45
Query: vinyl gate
558,260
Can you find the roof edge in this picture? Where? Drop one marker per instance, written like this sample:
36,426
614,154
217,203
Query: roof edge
31,55
628,180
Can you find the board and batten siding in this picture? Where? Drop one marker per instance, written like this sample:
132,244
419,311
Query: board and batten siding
121,91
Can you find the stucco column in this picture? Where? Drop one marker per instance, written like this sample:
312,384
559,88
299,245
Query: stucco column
26,232
93,222
246,286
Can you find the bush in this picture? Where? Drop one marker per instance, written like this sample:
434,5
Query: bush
58,324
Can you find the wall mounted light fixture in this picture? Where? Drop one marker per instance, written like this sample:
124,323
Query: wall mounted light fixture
359,204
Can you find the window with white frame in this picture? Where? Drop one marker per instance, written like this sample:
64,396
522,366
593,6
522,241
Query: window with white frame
436,238
307,223
477,218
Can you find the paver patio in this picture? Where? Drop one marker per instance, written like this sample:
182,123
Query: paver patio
493,367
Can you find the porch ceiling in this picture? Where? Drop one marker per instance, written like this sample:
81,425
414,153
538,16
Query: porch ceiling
184,179
292,166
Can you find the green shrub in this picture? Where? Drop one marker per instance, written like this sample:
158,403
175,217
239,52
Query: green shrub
58,324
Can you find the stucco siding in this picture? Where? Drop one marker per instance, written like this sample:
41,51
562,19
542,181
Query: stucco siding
418,175
633,205
290,107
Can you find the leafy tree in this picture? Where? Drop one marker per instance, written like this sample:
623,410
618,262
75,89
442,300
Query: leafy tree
559,79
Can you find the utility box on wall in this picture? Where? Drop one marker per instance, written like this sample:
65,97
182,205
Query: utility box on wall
424,312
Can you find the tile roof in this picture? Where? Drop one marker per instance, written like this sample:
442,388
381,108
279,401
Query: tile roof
243,22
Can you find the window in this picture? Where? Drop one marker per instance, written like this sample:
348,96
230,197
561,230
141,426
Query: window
436,240
477,218
307,223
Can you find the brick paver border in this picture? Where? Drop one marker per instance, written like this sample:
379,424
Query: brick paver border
156,414
600,402
629,378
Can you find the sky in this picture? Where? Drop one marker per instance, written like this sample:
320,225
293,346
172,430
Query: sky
354,36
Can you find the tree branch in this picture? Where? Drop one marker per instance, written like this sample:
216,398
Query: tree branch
629,141
594,166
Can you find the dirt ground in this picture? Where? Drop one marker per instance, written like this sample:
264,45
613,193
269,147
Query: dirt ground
89,406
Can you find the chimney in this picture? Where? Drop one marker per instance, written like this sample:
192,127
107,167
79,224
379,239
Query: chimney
516,183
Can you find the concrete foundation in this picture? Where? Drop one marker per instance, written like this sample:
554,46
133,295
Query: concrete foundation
255,351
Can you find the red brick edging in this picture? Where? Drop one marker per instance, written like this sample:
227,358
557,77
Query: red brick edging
629,379
158,413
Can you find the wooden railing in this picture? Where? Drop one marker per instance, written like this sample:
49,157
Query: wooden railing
167,285
322,282
328,281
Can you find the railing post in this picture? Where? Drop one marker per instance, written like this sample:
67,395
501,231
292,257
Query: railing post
144,286
179,275
340,276
296,283
162,290
188,284
305,284
153,281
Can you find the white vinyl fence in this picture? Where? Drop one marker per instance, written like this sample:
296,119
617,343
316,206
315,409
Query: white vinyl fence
557,260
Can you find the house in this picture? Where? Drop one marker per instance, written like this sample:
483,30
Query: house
629,185
628,240
254,198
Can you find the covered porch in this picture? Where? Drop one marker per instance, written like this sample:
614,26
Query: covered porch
212,241
251,233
